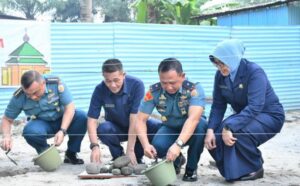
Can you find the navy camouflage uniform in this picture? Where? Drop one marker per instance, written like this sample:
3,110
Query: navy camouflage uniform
45,116
174,112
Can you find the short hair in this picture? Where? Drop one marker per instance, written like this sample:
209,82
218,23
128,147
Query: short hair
112,65
29,77
170,64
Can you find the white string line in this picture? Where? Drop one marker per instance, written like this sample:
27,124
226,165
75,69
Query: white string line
161,134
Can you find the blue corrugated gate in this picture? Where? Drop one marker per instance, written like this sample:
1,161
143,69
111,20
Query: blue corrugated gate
78,51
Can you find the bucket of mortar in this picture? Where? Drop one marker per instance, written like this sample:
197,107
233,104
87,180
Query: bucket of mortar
162,173
49,160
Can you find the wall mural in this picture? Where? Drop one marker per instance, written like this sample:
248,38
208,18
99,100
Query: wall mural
24,45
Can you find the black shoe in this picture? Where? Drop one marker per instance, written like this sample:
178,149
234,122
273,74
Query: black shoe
182,161
71,157
254,175
190,175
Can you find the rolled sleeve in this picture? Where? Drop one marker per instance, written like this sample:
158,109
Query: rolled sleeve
13,109
65,95
147,106
95,104
199,98
139,91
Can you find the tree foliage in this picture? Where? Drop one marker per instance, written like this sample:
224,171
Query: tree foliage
30,8
113,10
166,11
65,10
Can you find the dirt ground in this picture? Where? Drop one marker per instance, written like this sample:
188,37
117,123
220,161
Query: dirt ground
281,155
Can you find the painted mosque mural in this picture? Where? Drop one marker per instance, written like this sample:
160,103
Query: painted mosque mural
23,58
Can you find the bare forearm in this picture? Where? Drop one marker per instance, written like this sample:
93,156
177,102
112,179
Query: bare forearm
132,132
68,116
92,130
188,129
141,130
6,126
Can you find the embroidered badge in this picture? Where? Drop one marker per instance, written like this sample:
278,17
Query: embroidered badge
162,97
148,96
194,93
61,88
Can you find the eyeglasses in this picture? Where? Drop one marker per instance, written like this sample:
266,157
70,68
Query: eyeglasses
12,160
217,62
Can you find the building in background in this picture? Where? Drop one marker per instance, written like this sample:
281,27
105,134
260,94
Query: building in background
22,59
278,13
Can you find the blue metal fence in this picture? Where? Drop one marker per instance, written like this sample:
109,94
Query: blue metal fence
78,51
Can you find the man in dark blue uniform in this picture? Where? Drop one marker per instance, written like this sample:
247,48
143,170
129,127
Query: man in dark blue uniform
48,105
258,114
120,95
181,104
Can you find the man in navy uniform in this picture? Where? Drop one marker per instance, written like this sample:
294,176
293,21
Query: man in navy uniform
120,95
48,105
181,104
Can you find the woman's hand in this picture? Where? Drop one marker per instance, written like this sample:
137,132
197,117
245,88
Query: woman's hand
210,140
228,138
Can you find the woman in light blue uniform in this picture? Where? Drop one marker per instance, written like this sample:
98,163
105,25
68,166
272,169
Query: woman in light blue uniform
258,114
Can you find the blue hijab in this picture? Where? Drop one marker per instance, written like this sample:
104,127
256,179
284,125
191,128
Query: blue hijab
230,52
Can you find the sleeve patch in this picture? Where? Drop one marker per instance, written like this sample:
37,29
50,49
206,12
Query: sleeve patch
194,93
61,88
148,96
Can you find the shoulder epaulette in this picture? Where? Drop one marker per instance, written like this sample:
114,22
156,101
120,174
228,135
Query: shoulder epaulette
188,85
155,87
18,92
52,80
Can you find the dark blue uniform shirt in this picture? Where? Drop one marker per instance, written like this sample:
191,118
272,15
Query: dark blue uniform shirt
249,95
119,106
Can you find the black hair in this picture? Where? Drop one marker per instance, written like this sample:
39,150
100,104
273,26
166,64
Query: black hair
112,65
170,64
29,77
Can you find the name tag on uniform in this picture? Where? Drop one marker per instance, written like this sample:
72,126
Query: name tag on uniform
223,86
52,98
109,105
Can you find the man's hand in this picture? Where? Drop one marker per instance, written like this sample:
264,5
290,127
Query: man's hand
228,138
6,143
210,140
173,152
131,155
150,151
59,138
95,155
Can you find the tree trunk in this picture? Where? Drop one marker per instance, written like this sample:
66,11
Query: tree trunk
86,11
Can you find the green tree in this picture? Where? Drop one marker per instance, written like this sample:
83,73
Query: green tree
167,11
3,5
65,10
113,10
30,8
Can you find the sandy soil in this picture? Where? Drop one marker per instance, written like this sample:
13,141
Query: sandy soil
281,155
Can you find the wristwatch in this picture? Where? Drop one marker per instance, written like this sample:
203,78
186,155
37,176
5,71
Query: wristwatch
63,130
92,145
179,143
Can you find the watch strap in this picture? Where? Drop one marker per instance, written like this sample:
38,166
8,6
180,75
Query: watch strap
92,145
64,131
